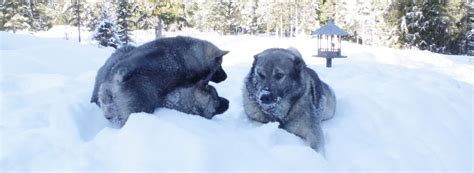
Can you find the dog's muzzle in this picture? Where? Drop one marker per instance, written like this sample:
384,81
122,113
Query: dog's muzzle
223,105
268,99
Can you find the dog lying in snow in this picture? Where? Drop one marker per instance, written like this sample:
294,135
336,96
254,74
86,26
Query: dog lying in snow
281,88
168,72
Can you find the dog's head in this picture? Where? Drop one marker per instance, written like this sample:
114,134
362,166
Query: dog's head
208,102
197,100
215,57
207,55
276,76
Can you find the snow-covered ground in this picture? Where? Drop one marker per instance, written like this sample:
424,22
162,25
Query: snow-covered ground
398,110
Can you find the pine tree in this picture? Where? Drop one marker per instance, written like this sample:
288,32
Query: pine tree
470,42
383,32
224,17
13,16
459,15
80,11
122,23
169,15
325,10
190,11
252,19
277,18
92,14
429,25
74,11
425,26
38,17
196,16
469,34
141,16
106,33
306,16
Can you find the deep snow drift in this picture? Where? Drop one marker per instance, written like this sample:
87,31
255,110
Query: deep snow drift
397,111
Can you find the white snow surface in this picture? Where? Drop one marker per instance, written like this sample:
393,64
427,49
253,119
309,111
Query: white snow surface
397,110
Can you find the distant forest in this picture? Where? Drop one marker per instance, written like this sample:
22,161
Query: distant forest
442,26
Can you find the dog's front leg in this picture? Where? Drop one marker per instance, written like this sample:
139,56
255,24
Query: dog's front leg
316,139
308,130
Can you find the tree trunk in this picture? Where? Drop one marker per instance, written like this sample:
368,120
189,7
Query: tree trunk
78,20
158,28
281,24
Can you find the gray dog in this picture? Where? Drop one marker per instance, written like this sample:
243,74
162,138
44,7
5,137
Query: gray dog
141,79
280,88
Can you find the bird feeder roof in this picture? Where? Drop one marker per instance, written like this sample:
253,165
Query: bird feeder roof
329,29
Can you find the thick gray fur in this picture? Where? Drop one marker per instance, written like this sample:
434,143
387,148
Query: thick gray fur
141,79
196,100
280,88
104,71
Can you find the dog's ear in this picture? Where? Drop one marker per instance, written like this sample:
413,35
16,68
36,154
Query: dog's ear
219,55
295,52
299,64
212,52
255,56
297,59
223,52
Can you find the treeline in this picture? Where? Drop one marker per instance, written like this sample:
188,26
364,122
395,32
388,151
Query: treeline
434,25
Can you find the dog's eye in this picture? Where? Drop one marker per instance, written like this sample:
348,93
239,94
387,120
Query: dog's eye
261,75
278,76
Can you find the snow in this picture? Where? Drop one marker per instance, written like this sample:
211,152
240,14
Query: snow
398,110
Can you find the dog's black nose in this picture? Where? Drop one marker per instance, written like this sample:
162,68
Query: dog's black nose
266,99
223,105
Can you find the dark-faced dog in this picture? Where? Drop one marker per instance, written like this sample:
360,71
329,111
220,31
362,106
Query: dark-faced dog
141,79
281,88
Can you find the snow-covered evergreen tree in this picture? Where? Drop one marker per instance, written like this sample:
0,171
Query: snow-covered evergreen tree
86,12
460,14
252,16
326,10
92,15
225,16
38,17
425,27
122,23
470,42
13,16
347,17
469,35
277,18
106,33
430,25
141,16
304,16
